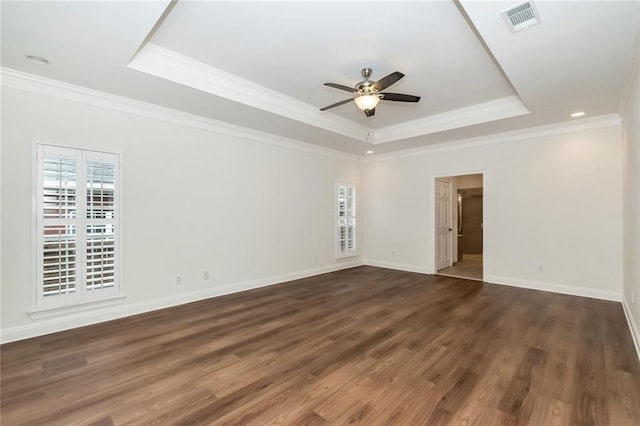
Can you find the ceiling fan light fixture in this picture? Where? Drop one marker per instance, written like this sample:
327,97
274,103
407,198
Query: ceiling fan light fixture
369,93
366,102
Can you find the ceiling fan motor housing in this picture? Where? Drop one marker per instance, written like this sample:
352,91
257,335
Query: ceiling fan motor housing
364,86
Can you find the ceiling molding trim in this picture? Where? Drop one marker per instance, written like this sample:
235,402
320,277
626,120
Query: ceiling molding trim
169,65
40,85
509,106
608,120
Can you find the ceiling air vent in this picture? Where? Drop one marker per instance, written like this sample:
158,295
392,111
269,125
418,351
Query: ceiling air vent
521,17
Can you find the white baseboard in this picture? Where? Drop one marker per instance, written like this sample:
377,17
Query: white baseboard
633,327
556,288
400,266
80,319
512,282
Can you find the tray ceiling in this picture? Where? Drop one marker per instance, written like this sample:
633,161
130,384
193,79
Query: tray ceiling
262,64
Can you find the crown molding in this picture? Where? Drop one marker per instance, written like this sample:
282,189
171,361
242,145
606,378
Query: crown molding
608,120
54,88
497,109
164,63
169,65
35,84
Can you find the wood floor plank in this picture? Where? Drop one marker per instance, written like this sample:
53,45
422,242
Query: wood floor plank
360,346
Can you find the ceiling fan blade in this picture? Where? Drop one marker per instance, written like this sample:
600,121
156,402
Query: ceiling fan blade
399,97
370,112
346,101
341,87
387,81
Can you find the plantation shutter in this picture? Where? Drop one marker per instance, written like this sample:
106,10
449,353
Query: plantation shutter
101,223
351,218
346,220
76,224
58,233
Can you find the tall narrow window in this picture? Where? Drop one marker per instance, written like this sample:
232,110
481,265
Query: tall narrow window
76,226
346,220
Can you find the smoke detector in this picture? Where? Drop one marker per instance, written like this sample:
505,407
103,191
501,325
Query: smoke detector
521,16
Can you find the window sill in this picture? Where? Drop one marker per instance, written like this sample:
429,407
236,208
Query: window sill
38,314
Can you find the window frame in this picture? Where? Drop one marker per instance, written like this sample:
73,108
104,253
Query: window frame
347,252
82,295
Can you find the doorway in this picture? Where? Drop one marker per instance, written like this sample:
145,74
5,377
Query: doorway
459,239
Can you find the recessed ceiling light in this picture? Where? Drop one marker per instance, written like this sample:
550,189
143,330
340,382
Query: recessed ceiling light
369,152
577,114
37,59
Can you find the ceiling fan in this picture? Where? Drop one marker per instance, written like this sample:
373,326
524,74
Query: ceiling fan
368,93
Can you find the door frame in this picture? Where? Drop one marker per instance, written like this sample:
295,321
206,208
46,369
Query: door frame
486,231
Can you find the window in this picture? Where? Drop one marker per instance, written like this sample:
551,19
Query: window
77,226
346,220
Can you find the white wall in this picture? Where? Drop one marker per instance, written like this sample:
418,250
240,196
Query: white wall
253,210
631,170
248,212
554,201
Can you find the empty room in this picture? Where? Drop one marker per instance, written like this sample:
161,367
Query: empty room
320,212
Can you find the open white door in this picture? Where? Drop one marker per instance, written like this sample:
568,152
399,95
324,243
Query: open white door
443,230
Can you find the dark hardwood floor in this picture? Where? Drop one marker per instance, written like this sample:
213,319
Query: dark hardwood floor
365,345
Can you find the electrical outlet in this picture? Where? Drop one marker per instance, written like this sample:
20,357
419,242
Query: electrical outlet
178,279
205,276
